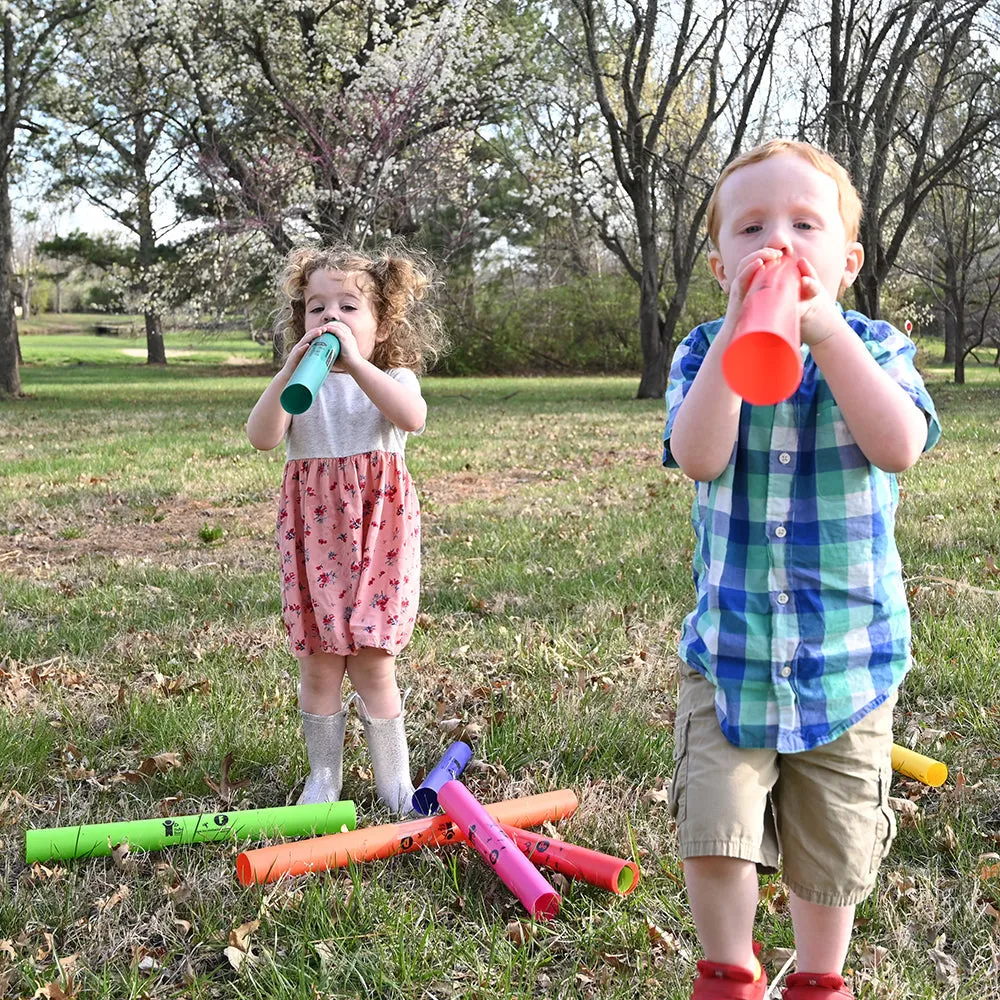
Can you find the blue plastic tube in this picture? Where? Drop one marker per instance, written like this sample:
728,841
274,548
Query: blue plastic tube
425,798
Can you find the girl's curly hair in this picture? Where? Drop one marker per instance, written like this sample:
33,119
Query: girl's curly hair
397,279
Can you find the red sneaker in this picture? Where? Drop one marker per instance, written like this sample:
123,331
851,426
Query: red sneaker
816,986
727,982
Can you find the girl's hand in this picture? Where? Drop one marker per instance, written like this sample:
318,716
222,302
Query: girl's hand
349,354
296,354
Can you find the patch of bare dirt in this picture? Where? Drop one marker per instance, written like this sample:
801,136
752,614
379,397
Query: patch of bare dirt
457,487
140,352
625,456
170,536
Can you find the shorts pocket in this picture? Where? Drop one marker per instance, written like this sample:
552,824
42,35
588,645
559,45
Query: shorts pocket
677,802
885,820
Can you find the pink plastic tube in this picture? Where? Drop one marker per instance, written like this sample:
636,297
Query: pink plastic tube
499,851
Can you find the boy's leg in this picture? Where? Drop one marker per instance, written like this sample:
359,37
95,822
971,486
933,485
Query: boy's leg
822,934
723,894
719,797
835,827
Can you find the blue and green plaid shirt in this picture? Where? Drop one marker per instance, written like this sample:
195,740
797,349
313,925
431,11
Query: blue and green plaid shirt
801,619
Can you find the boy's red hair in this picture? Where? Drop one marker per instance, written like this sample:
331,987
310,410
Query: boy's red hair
848,200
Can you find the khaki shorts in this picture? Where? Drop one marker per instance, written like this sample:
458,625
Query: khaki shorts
825,811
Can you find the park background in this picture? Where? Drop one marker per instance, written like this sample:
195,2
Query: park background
555,159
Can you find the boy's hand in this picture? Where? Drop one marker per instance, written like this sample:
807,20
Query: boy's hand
738,286
819,317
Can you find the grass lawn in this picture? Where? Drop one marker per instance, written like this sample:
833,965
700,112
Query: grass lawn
140,646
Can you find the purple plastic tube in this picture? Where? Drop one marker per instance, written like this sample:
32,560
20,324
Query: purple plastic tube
425,798
499,851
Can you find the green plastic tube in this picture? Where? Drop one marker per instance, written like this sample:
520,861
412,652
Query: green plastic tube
96,840
301,389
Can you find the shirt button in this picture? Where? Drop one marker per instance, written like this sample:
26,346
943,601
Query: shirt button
780,531
784,458
782,598
786,671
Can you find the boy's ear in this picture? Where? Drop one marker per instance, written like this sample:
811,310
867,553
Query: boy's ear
718,269
852,265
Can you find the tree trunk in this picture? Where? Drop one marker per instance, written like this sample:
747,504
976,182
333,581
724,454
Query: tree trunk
655,364
867,294
668,327
10,376
949,335
960,351
653,383
26,297
155,351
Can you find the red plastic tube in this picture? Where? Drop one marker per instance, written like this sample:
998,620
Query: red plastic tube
603,870
763,361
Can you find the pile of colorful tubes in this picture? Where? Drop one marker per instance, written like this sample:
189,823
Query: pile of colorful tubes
494,830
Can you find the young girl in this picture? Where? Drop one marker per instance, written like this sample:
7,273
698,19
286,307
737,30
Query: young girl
348,516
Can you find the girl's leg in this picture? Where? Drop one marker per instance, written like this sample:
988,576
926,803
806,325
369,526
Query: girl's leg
723,894
822,935
321,680
373,674
324,723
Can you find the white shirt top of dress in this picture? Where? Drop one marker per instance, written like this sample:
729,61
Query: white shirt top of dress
344,421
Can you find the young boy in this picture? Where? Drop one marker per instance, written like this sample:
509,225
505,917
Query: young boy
800,635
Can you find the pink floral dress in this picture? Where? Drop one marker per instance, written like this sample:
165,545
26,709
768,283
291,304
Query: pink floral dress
348,526
349,538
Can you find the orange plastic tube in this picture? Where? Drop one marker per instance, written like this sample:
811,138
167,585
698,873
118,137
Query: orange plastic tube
603,870
268,864
915,765
763,361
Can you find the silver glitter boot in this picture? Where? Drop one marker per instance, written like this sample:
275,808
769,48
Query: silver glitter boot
390,758
325,746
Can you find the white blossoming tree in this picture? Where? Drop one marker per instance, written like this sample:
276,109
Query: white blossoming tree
340,120
119,98
34,35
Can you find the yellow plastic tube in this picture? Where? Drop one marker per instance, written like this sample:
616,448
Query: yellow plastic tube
915,765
